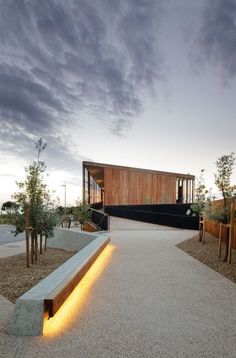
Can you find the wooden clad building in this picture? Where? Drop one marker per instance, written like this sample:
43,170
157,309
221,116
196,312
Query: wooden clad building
118,185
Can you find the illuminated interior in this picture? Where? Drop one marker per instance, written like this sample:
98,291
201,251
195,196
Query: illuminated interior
80,295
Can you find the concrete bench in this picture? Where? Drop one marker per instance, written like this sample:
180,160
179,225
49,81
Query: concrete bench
48,295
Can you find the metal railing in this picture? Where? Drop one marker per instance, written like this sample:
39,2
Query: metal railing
100,219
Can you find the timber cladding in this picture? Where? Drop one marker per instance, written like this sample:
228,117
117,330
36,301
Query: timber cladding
125,186
119,185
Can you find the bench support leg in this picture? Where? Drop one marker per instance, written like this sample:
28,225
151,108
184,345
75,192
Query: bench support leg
28,317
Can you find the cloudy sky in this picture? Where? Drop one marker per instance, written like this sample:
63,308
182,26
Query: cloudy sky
144,83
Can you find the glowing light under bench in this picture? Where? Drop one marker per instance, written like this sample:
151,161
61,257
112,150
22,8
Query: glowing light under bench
68,312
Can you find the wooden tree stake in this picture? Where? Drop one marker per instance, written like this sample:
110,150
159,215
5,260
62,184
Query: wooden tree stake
27,228
220,241
230,230
32,247
41,244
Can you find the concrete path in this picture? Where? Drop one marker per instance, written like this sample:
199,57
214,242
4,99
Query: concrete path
151,300
11,249
9,244
7,235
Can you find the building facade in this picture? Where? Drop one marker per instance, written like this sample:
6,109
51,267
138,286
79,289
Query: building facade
118,185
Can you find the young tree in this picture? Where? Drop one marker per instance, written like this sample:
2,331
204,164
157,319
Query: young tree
82,213
225,166
40,146
48,220
202,201
34,199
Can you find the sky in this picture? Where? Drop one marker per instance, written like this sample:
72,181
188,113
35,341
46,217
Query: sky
142,83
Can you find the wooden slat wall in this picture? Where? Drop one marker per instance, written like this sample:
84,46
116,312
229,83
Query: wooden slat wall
131,187
214,227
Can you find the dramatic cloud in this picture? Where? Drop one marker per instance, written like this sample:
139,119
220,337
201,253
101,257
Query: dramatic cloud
217,37
59,58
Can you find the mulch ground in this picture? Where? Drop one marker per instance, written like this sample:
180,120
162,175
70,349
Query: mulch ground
208,254
16,278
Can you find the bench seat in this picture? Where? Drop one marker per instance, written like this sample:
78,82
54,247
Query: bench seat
48,295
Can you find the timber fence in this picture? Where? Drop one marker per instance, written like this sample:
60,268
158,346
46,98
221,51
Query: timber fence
213,227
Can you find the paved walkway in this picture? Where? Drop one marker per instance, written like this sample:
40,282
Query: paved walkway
11,249
152,300
9,244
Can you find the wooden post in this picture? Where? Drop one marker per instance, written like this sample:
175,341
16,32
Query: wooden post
32,247
27,228
230,230
220,241
201,223
203,232
227,242
230,243
36,247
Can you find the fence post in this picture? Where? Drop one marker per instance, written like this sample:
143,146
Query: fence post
220,241
230,230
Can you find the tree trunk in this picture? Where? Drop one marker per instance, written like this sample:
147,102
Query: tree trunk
226,245
36,247
200,229
41,244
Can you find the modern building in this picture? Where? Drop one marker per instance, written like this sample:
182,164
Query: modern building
119,185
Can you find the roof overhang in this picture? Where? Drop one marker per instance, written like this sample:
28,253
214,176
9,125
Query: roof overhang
97,171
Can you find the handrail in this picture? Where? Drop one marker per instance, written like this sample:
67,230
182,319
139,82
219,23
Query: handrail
102,218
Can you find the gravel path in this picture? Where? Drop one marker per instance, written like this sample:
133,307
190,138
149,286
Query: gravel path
152,300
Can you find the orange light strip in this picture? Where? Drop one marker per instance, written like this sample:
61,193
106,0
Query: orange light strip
74,303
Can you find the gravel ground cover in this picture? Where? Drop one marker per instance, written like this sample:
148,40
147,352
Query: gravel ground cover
16,278
208,254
